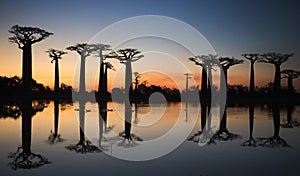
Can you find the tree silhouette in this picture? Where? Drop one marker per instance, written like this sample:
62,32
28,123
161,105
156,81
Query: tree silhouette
226,63
107,65
24,158
25,37
290,75
129,139
83,146
127,56
290,122
84,50
252,58
101,48
137,77
251,141
55,55
54,137
223,133
275,141
276,59
206,62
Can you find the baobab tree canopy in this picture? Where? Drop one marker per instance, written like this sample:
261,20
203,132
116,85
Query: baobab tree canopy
252,57
126,54
55,54
275,58
27,35
290,73
205,60
83,49
227,62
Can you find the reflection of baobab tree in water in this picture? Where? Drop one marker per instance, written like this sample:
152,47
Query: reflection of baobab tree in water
275,141
290,122
54,137
129,139
204,129
103,128
223,133
251,141
83,146
24,158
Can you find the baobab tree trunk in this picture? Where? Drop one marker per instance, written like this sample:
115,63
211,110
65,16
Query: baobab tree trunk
276,119
277,79
81,122
252,77
56,79
82,87
204,82
223,123
27,70
251,119
26,125
101,79
105,80
203,115
56,117
290,85
128,80
128,118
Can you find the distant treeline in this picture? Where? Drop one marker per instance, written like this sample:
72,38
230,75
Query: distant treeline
10,89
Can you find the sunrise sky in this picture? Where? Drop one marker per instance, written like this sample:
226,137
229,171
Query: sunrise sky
231,27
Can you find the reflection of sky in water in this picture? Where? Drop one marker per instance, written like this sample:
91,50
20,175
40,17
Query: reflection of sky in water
189,158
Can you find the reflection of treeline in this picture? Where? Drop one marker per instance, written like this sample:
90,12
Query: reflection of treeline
14,109
11,87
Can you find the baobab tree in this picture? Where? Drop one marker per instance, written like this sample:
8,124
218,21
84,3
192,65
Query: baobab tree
55,55
137,77
24,157
252,58
83,146
251,141
127,56
226,63
290,75
275,141
25,37
206,62
84,50
276,59
108,66
54,137
100,49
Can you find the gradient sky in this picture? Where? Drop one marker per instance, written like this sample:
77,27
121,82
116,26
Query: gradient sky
232,28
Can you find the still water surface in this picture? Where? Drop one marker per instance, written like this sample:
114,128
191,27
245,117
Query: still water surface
64,147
